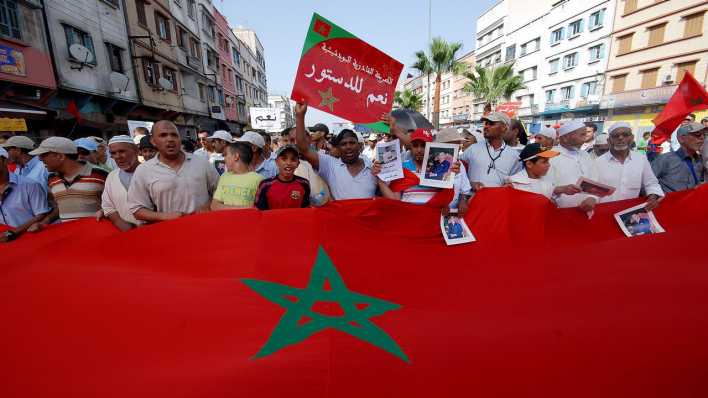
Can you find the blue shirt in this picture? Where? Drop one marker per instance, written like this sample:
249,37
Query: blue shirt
22,200
35,170
267,168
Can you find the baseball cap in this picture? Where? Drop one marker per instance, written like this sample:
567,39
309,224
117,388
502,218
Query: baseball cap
4,154
618,125
222,135
145,143
570,126
319,127
18,141
86,143
532,151
123,139
252,138
57,145
497,117
284,148
547,132
448,134
689,128
422,135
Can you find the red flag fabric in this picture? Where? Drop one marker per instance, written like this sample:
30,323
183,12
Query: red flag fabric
74,110
545,303
690,96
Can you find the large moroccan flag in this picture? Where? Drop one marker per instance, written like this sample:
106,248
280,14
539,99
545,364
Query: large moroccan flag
345,76
362,299
690,96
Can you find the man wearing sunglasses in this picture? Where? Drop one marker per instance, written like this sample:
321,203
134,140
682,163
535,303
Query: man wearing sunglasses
684,168
489,163
627,170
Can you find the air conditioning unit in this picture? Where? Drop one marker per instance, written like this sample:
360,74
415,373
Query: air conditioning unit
668,79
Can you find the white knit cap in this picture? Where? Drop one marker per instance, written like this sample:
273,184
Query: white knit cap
619,125
123,139
570,126
549,132
601,139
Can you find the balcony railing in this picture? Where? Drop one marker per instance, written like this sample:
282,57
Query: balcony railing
649,96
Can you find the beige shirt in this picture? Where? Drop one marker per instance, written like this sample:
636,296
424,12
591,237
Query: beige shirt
115,198
156,186
523,182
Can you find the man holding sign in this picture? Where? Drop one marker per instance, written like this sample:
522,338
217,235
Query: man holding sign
342,75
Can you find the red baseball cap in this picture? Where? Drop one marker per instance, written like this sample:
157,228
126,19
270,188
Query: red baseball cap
422,135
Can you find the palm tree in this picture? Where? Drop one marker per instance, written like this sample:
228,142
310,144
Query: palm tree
493,84
441,58
407,99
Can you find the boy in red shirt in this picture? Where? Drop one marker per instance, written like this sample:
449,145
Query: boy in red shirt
286,190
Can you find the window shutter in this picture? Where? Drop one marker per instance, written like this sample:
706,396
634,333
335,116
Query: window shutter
562,33
602,51
572,92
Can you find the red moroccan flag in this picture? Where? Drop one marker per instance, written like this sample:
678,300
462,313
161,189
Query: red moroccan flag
361,299
689,97
74,110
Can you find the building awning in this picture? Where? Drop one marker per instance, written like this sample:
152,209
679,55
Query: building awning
12,109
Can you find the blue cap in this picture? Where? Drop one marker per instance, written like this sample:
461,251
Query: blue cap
86,143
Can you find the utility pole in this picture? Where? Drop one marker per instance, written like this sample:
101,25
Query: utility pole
430,39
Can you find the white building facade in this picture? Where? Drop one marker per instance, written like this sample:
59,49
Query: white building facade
285,110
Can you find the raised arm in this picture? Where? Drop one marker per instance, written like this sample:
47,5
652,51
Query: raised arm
300,136
395,130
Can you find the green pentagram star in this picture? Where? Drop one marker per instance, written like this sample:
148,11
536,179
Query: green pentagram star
328,99
301,321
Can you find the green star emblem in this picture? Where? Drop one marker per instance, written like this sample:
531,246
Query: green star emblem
301,320
328,99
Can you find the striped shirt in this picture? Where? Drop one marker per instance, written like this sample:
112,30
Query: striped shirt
78,196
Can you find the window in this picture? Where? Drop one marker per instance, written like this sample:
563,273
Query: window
182,38
191,8
236,56
567,92
207,24
575,28
629,6
163,27
683,68
76,36
649,78
212,60
570,61
656,34
618,83
596,52
115,57
694,25
553,65
211,97
557,35
140,9
202,93
194,49
596,19
624,44
10,19
522,50
511,52
549,96
588,88
529,74
151,71
171,75
114,3
220,95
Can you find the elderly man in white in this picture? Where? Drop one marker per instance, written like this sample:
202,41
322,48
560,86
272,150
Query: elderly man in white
626,170
570,165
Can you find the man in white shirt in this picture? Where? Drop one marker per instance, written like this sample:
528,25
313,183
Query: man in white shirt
546,137
370,151
600,147
626,170
571,164
490,162
114,200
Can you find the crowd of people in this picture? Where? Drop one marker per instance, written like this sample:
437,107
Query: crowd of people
156,176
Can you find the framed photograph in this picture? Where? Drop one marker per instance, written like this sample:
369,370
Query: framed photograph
437,164
637,221
455,230
389,154
594,188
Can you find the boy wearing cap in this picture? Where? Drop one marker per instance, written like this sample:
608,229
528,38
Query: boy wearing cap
535,160
684,168
18,148
23,202
286,190
219,141
491,161
260,164
75,186
87,150
238,185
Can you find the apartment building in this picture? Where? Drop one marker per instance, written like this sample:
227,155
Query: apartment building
282,104
253,68
654,43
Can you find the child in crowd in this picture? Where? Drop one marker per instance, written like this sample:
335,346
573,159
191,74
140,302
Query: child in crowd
286,190
237,186
535,158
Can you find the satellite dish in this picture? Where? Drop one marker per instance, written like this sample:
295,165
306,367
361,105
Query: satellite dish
164,83
229,100
119,82
81,53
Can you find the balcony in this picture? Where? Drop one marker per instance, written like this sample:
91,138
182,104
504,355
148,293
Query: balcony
641,97
194,62
529,110
560,106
